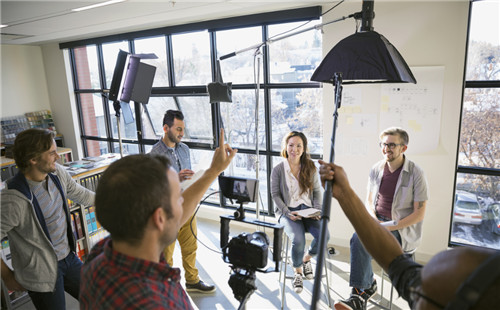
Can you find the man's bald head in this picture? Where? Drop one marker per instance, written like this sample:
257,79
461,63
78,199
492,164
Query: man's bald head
445,272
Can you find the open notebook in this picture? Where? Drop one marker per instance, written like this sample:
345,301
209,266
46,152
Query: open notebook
309,212
185,184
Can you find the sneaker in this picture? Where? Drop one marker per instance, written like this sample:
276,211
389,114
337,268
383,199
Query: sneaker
372,290
358,299
355,302
201,287
308,270
297,283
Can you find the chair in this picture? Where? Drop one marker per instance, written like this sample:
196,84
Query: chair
285,260
383,276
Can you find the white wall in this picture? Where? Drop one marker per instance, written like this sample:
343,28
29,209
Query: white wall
24,87
34,78
62,99
426,33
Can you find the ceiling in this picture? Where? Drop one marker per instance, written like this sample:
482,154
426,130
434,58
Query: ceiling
39,22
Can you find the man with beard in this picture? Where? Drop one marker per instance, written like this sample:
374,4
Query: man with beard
397,195
178,153
36,219
139,201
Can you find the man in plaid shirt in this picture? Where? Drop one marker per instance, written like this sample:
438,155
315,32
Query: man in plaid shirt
139,202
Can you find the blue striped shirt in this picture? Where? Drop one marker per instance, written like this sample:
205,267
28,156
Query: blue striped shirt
50,201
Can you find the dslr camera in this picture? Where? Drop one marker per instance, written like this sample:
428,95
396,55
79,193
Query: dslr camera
247,252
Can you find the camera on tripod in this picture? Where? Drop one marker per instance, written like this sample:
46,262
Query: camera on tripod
247,252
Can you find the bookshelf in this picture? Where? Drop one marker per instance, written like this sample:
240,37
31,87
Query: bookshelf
86,228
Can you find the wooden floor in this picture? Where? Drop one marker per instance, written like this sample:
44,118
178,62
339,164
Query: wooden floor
268,294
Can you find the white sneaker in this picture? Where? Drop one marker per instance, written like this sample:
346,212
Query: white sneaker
308,270
297,283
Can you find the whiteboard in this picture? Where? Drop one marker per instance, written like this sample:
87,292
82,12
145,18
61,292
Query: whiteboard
415,107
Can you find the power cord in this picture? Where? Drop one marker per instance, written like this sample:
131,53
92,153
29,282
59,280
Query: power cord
191,223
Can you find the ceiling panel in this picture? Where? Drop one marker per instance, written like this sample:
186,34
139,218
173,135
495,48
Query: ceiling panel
40,22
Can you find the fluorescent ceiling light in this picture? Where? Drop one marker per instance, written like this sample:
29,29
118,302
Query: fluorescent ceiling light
93,6
3,26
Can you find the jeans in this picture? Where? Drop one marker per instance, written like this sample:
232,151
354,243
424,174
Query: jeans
68,279
296,231
361,276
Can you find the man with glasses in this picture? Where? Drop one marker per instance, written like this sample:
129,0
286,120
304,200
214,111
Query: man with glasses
397,195
178,153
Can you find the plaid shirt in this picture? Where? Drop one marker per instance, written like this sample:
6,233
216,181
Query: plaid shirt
111,280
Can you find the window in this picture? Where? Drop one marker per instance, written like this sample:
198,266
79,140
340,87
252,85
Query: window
186,63
475,216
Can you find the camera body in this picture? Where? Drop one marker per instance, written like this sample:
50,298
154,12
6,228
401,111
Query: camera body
249,250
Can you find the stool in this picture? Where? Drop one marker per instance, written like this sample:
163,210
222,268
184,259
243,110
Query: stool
283,266
383,276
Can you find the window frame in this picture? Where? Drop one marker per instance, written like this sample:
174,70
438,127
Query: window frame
461,169
259,20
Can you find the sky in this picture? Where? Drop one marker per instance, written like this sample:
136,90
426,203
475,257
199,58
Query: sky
485,23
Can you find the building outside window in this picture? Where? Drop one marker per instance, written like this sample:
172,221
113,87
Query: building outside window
476,204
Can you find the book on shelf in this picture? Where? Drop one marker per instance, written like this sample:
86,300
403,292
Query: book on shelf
65,158
88,221
94,158
80,250
73,226
93,219
78,224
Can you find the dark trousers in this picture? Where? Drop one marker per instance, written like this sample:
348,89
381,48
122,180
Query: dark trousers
68,279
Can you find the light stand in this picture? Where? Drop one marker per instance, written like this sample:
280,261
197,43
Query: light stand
364,57
257,96
327,196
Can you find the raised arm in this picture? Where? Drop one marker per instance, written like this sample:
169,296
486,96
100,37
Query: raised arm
223,155
378,241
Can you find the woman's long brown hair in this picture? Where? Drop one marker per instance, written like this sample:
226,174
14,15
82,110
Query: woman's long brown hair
307,167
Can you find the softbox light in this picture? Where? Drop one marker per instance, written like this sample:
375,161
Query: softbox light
138,81
117,75
364,57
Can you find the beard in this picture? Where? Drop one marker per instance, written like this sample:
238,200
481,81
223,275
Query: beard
172,137
46,167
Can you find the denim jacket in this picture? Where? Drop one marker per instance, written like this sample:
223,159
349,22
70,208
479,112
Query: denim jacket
179,155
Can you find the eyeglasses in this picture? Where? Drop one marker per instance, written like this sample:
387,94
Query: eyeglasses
415,295
389,145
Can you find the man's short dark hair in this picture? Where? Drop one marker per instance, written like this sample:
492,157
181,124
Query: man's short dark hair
30,144
129,191
170,115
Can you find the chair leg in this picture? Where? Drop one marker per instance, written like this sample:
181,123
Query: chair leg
284,261
390,300
283,269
